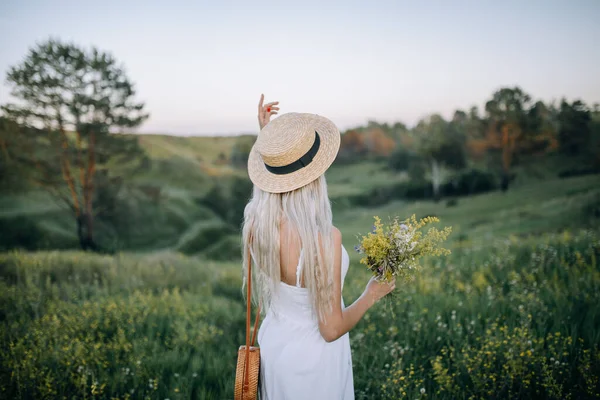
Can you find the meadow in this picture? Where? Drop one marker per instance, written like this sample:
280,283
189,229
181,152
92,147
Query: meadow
154,310
512,313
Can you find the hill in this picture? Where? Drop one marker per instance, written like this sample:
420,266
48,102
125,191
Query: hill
190,199
512,310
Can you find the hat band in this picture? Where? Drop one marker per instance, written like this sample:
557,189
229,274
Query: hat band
300,163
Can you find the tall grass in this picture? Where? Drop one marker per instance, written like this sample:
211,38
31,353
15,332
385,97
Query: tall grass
516,318
83,326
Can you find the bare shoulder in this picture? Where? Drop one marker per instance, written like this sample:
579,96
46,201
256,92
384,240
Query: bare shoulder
337,235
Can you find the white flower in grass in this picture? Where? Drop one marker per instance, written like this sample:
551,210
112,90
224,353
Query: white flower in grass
422,390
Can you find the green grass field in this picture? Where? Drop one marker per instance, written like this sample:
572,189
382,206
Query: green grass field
512,313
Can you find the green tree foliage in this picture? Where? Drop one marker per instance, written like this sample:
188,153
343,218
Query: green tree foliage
594,147
507,126
70,101
574,133
442,145
13,176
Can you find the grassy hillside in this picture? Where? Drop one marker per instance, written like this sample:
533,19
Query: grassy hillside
164,206
163,202
512,313
201,152
548,206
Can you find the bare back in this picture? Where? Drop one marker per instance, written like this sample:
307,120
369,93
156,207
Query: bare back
289,254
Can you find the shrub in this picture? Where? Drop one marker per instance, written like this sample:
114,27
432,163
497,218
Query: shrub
203,236
452,203
568,173
21,232
469,182
403,159
226,249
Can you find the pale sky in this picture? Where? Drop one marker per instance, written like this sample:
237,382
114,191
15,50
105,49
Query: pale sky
201,66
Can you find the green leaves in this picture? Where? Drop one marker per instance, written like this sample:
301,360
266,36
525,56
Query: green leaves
63,86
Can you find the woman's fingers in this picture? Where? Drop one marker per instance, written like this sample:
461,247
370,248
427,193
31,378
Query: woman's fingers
271,106
265,111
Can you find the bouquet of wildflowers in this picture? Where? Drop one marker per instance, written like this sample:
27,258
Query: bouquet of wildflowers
394,250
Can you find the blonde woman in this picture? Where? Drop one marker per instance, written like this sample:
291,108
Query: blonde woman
299,261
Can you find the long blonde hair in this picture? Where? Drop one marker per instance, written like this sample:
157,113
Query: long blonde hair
307,211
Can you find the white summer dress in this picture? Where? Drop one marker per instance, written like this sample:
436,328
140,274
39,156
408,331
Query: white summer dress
295,361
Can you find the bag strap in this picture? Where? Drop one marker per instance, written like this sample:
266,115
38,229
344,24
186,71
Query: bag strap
249,316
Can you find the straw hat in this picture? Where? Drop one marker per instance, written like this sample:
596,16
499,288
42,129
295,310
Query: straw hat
291,151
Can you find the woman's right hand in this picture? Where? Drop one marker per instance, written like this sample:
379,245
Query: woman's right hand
376,290
265,111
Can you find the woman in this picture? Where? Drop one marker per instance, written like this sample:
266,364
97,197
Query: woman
300,262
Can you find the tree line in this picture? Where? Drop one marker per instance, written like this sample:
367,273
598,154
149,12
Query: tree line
510,128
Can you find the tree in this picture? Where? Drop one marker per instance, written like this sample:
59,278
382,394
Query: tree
506,127
542,129
70,101
594,147
442,145
13,175
352,145
404,156
378,143
574,131
475,131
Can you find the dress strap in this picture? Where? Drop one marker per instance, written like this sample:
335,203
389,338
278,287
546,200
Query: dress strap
299,269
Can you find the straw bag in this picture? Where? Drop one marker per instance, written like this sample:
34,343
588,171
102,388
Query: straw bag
248,362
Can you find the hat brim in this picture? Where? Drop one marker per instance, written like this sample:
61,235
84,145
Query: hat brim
328,150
